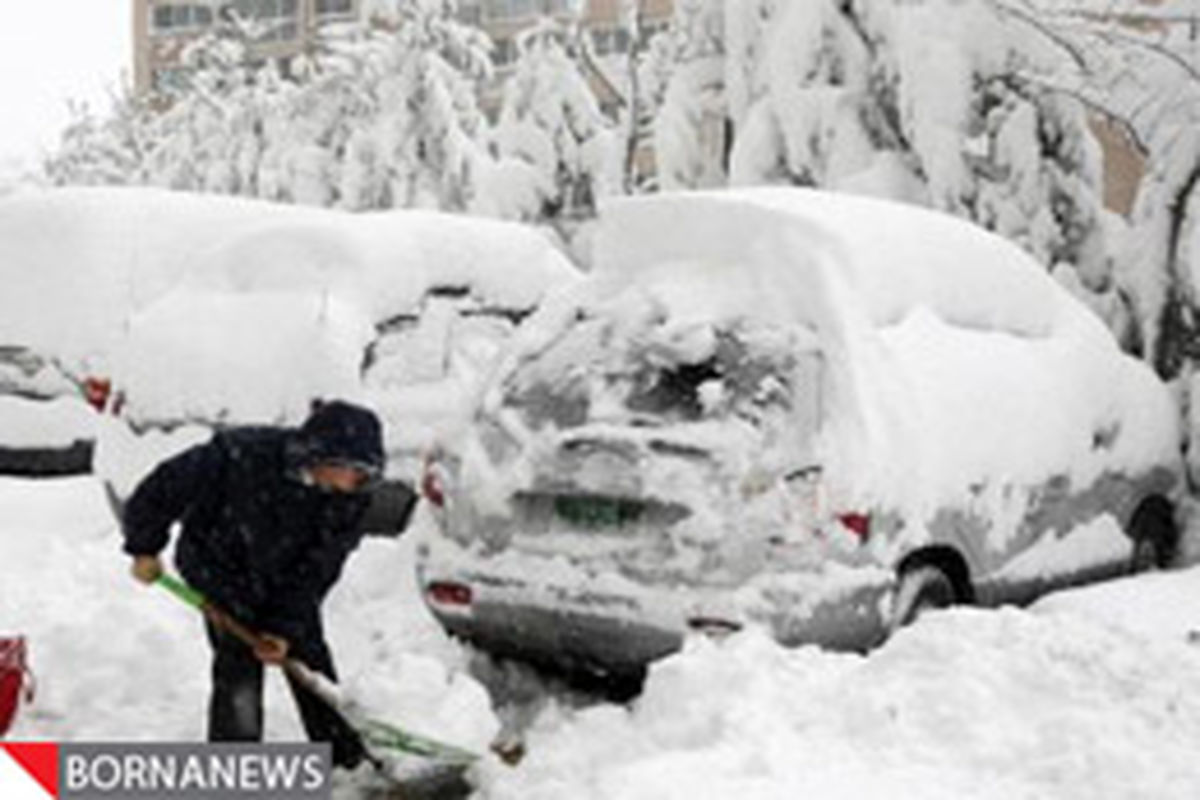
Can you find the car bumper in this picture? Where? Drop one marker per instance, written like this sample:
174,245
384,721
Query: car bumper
549,613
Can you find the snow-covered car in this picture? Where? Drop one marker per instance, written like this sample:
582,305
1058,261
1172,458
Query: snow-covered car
815,413
400,311
46,437
47,427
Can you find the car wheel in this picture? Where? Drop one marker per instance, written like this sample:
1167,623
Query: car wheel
1154,536
920,589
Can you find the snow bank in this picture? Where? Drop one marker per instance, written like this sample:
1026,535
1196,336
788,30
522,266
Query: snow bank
1094,695
45,423
966,704
67,588
1161,606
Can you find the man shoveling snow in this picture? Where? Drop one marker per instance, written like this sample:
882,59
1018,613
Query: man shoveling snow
269,517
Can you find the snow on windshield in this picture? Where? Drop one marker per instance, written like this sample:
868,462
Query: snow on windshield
629,360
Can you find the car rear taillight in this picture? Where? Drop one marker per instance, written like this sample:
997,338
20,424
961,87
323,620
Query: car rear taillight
96,392
856,523
715,627
432,486
449,593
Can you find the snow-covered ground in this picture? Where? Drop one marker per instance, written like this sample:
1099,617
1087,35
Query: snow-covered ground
1091,694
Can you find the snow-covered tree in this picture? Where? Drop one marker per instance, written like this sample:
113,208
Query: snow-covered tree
207,138
383,117
1140,63
423,145
931,101
551,121
100,151
686,83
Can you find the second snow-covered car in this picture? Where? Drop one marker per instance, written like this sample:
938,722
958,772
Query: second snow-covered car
815,413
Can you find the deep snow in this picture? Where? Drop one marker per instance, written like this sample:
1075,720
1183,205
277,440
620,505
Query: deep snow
81,266
1091,694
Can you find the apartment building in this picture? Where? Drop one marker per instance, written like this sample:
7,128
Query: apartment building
161,29
600,19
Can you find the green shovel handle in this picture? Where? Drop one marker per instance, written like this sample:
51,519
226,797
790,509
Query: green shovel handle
184,592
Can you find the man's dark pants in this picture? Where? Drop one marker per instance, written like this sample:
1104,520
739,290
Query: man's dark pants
235,711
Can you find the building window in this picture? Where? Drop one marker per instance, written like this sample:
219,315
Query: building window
602,41
335,8
181,18
277,18
611,41
513,9
167,80
621,40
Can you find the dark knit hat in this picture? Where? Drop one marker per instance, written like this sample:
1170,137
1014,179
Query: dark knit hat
337,432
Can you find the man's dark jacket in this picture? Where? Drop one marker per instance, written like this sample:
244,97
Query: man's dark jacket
255,538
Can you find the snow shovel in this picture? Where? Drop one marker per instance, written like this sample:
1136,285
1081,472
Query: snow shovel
385,743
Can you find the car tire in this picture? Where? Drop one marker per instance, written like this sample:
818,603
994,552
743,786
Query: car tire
920,589
1154,536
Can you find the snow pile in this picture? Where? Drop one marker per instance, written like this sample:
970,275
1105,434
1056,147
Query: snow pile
76,262
45,423
1126,605
1092,696
966,704
68,590
91,630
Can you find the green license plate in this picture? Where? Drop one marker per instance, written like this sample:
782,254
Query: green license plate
593,513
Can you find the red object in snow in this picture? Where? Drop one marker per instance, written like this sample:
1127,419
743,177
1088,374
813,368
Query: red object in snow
16,681
96,392
856,523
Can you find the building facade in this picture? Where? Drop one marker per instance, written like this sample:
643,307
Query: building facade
600,20
161,29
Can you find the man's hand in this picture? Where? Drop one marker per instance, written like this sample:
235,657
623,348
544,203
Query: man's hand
147,569
271,649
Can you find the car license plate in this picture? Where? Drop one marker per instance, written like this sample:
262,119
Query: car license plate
597,513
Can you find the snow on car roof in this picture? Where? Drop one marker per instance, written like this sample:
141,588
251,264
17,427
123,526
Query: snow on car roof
890,257
76,263
388,261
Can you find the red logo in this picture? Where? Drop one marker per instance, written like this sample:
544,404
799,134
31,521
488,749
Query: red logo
28,770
